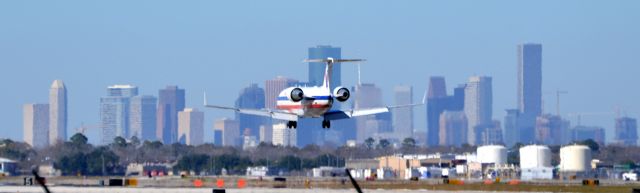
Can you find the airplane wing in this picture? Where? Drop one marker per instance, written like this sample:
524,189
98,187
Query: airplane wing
258,112
338,114
261,112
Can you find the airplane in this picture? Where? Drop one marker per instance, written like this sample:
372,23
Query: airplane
313,102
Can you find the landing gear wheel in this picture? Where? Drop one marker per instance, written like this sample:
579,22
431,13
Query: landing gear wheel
292,124
326,124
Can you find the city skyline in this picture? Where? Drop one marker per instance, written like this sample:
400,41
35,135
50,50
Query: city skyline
430,52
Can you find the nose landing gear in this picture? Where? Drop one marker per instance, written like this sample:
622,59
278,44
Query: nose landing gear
292,124
326,124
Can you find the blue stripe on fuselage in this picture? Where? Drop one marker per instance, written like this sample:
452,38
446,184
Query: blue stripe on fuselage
284,98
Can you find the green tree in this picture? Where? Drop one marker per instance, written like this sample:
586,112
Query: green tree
102,161
384,143
409,143
119,142
79,139
193,162
369,142
593,145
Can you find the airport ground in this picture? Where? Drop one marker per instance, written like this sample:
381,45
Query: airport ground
300,184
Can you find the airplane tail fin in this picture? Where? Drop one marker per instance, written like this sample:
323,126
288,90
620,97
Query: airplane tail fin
326,83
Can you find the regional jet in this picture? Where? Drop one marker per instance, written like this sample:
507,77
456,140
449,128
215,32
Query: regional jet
313,102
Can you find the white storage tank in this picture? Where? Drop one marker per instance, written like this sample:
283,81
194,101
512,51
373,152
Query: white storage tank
535,156
575,158
495,154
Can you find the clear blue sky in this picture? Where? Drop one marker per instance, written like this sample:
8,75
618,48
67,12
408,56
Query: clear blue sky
590,48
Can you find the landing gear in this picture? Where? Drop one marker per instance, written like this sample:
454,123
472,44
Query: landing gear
292,124
326,124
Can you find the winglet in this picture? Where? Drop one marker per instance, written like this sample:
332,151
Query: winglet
205,98
424,98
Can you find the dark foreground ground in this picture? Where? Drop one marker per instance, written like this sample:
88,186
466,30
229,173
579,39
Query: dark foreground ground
302,184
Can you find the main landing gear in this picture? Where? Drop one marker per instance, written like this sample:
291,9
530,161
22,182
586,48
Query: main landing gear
292,124
326,124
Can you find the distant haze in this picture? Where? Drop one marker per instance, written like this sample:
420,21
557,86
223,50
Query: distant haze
590,49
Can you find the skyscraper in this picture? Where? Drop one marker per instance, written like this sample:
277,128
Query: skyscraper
114,111
273,88
437,102
36,124
511,128
580,133
549,130
57,112
230,132
366,96
170,101
251,97
453,128
403,117
191,127
529,88
626,131
478,102
284,136
316,69
142,117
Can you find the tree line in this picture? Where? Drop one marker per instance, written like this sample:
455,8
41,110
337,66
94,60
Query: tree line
78,157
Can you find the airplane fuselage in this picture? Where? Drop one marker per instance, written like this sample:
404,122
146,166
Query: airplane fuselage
315,103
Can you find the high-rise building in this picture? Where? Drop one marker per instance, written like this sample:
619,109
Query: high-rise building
366,96
142,117
170,101
581,133
266,132
549,130
251,97
191,127
114,112
437,102
478,101
529,88
316,69
489,134
284,136
273,88
511,128
57,112
626,131
230,130
36,124
403,117
453,128
217,137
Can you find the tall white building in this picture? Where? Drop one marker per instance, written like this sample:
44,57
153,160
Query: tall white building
403,117
114,112
478,101
284,136
36,125
57,112
191,127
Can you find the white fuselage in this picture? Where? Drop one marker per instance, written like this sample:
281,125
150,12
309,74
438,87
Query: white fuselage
316,102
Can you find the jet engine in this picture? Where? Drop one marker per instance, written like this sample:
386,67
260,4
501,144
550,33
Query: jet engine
341,94
296,95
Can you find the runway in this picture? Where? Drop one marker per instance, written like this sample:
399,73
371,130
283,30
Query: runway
62,189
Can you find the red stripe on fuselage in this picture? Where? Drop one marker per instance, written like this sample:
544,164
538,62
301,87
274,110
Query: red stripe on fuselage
289,107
